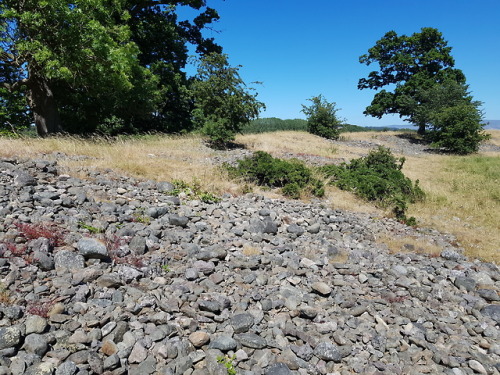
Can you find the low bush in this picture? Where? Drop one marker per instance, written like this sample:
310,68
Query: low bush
290,175
377,177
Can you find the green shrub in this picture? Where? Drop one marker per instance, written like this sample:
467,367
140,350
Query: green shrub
194,191
290,175
458,129
377,177
322,119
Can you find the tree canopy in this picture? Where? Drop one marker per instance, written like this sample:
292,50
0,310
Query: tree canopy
86,65
412,64
223,103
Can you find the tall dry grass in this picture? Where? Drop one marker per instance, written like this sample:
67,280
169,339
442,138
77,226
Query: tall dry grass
160,158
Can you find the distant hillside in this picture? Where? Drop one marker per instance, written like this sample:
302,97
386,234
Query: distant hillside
492,124
272,124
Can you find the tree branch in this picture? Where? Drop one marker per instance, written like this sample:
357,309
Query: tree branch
14,86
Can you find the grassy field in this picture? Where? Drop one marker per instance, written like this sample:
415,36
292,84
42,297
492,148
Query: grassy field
463,192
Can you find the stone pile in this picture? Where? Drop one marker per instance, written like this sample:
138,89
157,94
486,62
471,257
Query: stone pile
113,275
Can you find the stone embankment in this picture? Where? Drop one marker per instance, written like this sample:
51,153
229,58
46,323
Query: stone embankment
112,275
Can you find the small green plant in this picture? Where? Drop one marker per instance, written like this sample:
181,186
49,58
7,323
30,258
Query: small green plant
90,228
194,191
166,268
377,177
292,176
228,363
140,216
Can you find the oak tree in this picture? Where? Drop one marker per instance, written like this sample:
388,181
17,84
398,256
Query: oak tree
411,65
80,64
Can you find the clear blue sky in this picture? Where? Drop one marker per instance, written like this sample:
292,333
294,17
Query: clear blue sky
299,49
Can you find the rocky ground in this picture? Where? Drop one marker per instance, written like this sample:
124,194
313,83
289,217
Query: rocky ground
112,275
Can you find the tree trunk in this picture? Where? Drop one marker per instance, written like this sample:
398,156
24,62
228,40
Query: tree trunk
42,103
421,129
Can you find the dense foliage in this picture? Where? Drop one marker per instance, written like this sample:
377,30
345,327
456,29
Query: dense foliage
290,175
420,67
377,177
84,66
322,118
458,129
273,124
223,104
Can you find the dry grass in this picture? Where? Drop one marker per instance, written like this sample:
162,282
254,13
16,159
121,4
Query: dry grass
461,199
249,250
159,158
463,194
288,141
4,296
495,137
408,244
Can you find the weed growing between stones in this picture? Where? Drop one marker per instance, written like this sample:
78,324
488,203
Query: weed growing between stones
34,231
90,228
228,363
292,176
114,245
40,308
194,191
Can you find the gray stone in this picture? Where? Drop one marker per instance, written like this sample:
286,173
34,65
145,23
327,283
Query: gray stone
139,353
110,280
358,310
278,369
69,260
211,306
180,221
449,254
35,324
43,368
43,260
66,368
36,344
9,337
191,274
321,288
489,294
138,245
477,367
251,340
223,343
95,362
92,248
165,187
22,179
269,227
327,352
242,322
148,367
467,283
493,311
295,229
198,339
111,362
